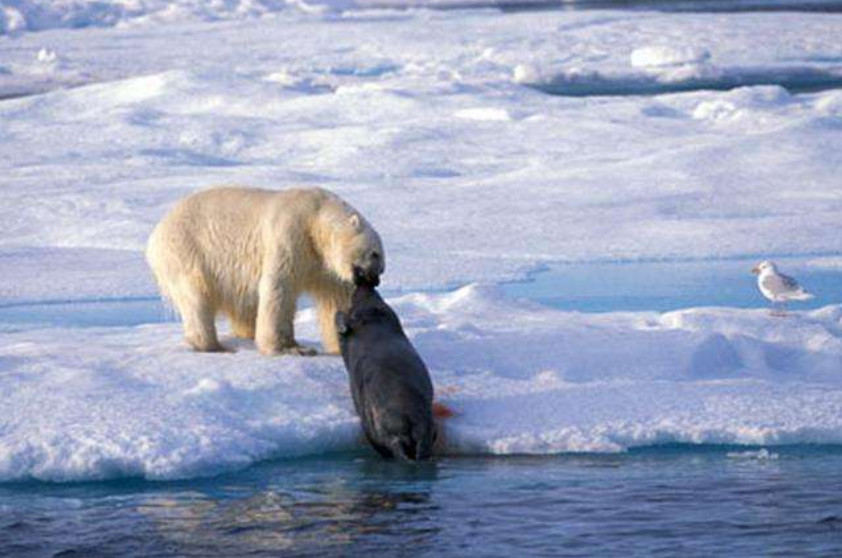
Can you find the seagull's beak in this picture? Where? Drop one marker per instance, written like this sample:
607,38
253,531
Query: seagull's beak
755,270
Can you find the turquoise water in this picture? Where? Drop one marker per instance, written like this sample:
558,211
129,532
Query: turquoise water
664,286
673,501
590,287
85,313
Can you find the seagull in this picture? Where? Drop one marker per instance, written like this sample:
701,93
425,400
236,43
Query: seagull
777,287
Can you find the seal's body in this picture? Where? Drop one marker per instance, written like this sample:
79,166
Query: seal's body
390,384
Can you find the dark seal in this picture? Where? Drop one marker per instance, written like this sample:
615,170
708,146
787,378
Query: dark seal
390,384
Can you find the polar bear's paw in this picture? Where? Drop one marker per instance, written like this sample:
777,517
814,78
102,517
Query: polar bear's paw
299,350
295,350
205,346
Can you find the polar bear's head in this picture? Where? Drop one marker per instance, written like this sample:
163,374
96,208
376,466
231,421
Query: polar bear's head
355,249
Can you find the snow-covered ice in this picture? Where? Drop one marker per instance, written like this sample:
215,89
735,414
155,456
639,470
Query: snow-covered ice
656,56
110,402
437,125
429,140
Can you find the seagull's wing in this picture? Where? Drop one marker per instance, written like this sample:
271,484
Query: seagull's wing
789,283
777,283
780,288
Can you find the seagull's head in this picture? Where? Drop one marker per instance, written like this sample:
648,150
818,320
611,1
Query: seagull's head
763,266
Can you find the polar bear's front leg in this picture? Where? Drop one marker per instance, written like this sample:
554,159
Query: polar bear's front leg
326,309
275,315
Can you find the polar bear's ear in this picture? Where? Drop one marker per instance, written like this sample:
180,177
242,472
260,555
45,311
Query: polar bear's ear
355,221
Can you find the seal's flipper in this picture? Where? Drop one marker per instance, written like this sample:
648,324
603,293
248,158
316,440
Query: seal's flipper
341,321
398,448
424,450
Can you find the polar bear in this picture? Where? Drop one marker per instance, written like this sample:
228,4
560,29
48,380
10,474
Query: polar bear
250,253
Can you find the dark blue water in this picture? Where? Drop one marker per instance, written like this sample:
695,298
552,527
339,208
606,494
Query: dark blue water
678,501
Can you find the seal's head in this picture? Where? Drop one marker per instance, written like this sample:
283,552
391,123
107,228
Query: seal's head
367,309
367,277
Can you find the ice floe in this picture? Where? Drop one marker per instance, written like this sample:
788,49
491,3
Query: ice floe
111,402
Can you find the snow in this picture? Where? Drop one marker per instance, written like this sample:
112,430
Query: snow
520,378
430,138
667,56
454,132
37,275
33,15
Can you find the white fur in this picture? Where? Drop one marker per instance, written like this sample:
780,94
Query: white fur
251,253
